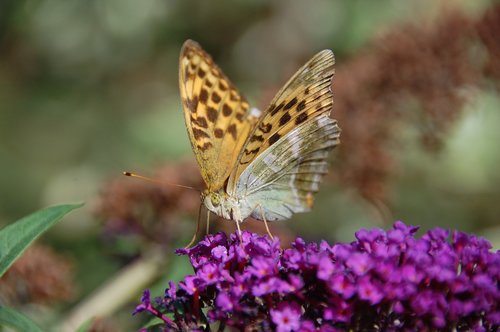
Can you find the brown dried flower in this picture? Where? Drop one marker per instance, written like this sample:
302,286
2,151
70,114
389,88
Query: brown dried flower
487,29
413,77
39,276
155,211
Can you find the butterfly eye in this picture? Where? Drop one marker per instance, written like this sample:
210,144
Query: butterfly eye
215,200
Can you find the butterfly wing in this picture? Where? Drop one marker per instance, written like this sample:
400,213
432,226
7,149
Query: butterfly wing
304,97
283,179
217,116
281,164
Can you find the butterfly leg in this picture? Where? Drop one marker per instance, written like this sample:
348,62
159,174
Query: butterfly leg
208,221
197,227
239,231
265,221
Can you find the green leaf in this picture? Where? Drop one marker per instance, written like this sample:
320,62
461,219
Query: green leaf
153,322
86,325
16,237
16,320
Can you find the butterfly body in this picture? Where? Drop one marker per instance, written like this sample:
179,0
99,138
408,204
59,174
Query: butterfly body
226,206
266,165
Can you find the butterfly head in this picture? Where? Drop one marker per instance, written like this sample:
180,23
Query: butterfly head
220,203
213,200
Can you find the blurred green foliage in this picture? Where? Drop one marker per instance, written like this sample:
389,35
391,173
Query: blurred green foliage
89,88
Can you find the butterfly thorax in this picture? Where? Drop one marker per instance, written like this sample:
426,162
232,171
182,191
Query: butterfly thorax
225,205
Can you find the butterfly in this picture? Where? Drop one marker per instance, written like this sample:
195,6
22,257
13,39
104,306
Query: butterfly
265,165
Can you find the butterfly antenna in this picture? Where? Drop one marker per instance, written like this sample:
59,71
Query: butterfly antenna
158,182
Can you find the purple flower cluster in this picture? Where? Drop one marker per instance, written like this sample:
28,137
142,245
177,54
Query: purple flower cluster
385,281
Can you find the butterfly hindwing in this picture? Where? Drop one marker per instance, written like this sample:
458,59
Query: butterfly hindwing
217,116
283,179
306,96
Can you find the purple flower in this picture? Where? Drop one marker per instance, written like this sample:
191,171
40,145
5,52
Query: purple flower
145,302
190,284
271,285
411,274
368,291
423,303
296,282
341,312
325,268
171,291
341,284
287,317
220,253
307,326
208,274
359,263
240,285
224,302
146,306
262,267
384,280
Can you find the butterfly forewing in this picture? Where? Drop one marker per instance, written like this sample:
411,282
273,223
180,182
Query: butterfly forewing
305,97
217,116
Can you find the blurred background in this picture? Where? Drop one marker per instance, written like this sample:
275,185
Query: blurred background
90,88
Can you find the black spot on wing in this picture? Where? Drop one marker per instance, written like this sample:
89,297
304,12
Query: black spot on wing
232,130
200,122
192,104
290,104
273,139
301,106
240,116
211,114
198,133
301,118
203,96
256,138
222,86
205,146
254,151
226,110
215,97
265,128
276,109
218,132
284,119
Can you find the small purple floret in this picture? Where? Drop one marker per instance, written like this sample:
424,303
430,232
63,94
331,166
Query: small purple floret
286,317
